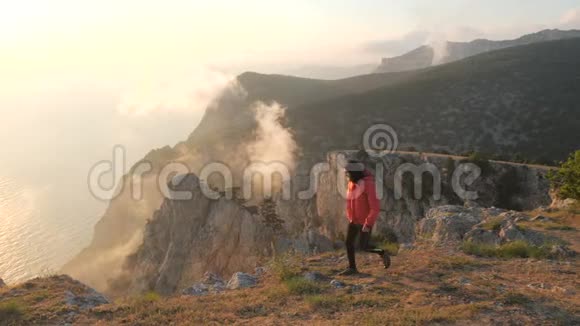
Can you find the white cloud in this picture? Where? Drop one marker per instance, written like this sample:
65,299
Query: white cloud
187,93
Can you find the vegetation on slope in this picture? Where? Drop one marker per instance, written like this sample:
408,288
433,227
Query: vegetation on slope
567,178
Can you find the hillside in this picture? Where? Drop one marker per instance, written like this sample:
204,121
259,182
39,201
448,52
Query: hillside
518,100
521,100
426,284
426,56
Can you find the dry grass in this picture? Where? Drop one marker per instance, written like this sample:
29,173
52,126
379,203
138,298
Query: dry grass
515,249
428,285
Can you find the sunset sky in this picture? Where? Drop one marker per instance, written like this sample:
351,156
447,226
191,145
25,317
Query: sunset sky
83,68
121,41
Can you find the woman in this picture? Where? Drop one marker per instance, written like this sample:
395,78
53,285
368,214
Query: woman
362,209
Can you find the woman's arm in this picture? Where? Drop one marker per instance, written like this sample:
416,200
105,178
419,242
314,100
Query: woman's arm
374,203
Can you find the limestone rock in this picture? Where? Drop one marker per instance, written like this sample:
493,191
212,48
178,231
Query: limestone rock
241,280
210,283
186,238
449,222
561,252
337,284
259,271
87,300
315,276
506,231
558,203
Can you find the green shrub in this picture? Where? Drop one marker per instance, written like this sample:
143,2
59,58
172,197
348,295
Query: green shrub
299,285
513,298
566,180
11,310
150,296
494,224
285,266
515,249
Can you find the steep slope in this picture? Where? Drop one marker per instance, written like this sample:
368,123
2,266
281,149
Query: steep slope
426,56
518,100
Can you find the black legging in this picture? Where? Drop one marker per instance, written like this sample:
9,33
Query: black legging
355,230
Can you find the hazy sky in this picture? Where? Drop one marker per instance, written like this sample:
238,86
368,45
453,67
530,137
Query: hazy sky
82,73
126,40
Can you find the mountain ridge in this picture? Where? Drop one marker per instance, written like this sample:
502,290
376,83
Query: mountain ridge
428,55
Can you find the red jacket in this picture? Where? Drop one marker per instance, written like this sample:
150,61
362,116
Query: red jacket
362,204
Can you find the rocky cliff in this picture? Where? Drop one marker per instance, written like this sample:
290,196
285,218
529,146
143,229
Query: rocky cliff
186,238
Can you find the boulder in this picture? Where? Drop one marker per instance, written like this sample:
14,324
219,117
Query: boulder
567,203
259,271
561,252
315,276
86,300
210,283
337,284
242,280
449,223
480,235
507,231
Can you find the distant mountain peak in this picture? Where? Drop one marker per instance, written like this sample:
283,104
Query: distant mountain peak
427,55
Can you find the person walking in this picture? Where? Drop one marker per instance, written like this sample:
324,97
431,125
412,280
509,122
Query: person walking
362,209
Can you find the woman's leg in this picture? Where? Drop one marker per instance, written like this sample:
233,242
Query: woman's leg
351,234
365,238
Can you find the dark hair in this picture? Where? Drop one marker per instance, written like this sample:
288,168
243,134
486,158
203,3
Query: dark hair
355,170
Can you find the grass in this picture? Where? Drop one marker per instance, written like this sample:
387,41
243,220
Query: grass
286,266
325,302
515,249
149,297
422,315
494,224
11,309
301,286
514,298
555,226
391,247
456,263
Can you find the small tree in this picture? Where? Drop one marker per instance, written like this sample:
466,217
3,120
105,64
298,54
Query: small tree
566,180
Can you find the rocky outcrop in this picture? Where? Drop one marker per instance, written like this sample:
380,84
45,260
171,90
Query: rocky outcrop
449,223
505,185
211,283
242,280
559,203
490,226
186,238
503,228
87,300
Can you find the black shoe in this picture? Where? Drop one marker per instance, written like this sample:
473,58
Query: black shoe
386,260
349,271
